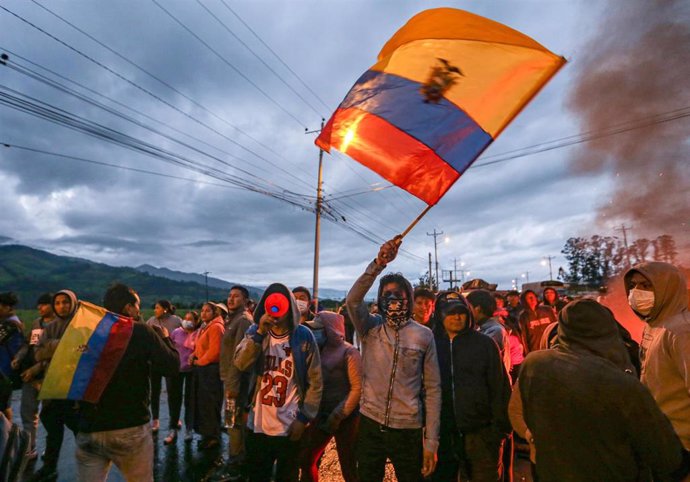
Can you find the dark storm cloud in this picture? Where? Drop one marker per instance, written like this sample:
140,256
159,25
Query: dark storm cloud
498,217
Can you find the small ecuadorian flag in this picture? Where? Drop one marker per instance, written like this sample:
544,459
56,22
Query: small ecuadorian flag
444,87
88,354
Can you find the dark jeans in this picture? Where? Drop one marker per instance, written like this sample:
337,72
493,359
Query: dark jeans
156,382
476,456
207,402
314,444
375,444
263,450
179,385
55,414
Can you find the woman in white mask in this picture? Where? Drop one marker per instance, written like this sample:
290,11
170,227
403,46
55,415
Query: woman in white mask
303,298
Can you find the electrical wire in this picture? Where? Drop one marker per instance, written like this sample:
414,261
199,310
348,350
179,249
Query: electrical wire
229,30
144,90
229,64
276,55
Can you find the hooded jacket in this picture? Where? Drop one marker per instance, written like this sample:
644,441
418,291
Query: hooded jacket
591,419
533,324
305,354
665,345
475,385
401,385
341,365
53,332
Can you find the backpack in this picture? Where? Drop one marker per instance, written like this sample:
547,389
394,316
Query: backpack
14,444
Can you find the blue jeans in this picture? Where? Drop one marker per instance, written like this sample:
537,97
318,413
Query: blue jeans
130,449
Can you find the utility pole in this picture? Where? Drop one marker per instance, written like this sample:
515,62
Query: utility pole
526,276
206,273
435,235
317,228
625,229
549,258
431,283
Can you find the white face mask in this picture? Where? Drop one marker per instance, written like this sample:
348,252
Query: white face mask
641,301
302,306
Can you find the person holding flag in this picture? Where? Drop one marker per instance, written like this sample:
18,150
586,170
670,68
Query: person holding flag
401,388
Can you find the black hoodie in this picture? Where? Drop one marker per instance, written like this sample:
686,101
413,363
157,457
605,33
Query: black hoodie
590,417
475,387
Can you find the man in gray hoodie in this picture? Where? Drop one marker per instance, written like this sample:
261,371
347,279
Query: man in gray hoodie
401,388
658,294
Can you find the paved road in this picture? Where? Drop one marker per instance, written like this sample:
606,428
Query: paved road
181,461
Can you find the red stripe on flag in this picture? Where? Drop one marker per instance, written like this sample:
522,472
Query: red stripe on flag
115,347
385,149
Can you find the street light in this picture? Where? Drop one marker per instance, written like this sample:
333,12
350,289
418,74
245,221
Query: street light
548,259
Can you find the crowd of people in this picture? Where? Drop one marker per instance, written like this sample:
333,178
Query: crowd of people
439,384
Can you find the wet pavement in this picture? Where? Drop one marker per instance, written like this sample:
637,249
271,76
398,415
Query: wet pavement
183,462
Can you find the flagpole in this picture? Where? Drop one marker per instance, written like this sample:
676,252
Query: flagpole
414,223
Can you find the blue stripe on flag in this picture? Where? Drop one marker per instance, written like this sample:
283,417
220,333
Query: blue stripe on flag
443,127
90,356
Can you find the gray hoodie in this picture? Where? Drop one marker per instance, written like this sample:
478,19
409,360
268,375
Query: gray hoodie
665,346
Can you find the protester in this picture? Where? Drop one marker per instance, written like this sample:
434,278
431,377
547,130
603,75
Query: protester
208,388
32,371
180,384
551,299
401,392
423,305
588,415
11,341
483,307
236,383
476,390
55,414
304,303
484,310
658,294
533,321
116,430
341,366
513,306
286,391
163,317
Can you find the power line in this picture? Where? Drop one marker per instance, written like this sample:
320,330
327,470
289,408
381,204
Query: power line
142,89
229,30
229,64
275,54
63,88
588,136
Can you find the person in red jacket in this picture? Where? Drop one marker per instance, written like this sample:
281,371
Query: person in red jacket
208,388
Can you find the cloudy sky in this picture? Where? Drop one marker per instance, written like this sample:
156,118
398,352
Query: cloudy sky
210,94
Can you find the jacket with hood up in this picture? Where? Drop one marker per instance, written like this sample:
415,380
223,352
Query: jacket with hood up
401,385
591,419
305,352
476,386
665,346
341,365
45,349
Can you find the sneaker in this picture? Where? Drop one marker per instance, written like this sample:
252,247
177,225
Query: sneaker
188,435
155,425
171,438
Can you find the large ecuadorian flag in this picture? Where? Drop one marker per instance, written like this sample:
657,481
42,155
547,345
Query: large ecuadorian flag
88,354
444,87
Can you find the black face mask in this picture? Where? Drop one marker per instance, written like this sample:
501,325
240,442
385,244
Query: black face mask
395,310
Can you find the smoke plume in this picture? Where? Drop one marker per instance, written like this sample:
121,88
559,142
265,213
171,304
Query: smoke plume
637,68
